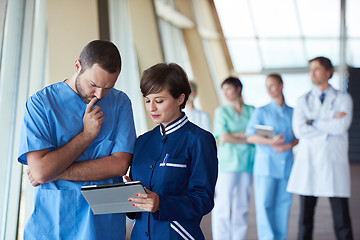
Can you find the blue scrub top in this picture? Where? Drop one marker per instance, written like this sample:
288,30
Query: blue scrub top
267,161
181,167
53,116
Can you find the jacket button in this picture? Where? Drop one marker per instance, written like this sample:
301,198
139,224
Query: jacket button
150,166
147,234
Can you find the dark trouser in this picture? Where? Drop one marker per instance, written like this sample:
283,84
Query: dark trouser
340,211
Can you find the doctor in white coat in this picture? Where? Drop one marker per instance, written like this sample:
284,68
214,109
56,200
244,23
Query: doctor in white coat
321,120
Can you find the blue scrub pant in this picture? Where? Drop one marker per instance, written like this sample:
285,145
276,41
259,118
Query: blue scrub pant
272,203
229,216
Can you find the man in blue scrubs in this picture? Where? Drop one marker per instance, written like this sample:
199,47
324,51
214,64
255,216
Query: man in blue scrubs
77,132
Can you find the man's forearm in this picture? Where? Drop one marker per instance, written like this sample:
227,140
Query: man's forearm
46,165
98,169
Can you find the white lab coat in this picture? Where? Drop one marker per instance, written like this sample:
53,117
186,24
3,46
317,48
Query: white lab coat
321,166
199,118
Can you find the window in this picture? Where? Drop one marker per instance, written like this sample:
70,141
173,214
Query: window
281,36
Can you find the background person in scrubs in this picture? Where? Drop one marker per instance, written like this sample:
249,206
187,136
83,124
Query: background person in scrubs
77,132
176,161
236,158
273,162
322,118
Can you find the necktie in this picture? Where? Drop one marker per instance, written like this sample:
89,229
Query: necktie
322,97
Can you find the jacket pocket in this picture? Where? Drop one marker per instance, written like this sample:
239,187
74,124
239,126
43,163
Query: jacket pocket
179,162
174,174
178,165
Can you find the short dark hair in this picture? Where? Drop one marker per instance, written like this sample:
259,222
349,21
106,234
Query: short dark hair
325,62
276,76
101,52
234,81
168,76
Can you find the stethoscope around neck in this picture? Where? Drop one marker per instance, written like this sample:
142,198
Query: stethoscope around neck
310,106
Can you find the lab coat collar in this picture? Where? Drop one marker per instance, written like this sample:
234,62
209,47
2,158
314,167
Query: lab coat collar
330,95
175,125
317,92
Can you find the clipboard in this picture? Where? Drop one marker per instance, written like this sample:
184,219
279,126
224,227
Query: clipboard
265,131
112,198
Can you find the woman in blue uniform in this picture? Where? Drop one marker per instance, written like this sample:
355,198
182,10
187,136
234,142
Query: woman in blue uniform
273,162
176,161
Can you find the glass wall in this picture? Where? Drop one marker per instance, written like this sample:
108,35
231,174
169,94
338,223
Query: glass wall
14,84
266,36
295,85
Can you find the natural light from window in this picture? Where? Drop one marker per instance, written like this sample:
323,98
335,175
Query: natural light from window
266,36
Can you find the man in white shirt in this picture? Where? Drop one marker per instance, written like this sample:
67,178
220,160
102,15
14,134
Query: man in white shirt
196,116
321,121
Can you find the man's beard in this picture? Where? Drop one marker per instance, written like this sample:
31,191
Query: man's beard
80,92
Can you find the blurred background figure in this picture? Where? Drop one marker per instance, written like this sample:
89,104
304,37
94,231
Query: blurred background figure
236,157
322,118
194,115
273,162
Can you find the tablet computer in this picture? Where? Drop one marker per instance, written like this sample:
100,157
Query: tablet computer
112,198
266,131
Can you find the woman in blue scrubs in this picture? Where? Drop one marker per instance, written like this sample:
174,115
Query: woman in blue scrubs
273,162
176,161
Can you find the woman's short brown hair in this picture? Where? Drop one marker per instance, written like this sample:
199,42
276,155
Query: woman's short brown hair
166,76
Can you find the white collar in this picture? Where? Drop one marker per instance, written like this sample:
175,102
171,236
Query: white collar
317,92
175,125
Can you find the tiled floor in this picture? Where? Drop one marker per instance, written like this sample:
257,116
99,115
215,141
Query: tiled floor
323,217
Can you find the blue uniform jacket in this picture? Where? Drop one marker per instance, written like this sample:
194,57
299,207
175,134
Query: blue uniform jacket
181,167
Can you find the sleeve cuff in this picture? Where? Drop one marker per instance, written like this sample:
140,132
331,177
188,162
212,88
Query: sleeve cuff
156,215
